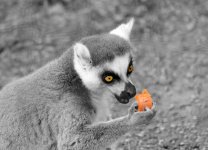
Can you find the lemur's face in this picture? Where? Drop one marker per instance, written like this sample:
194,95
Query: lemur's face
115,76
104,62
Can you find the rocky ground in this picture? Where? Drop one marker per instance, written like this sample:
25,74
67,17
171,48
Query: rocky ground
171,57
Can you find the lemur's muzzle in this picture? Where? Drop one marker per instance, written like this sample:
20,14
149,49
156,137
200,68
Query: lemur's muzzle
128,93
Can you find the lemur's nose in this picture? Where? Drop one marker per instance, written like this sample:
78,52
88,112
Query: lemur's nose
130,90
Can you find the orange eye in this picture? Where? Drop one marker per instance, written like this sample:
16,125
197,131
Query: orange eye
108,78
130,69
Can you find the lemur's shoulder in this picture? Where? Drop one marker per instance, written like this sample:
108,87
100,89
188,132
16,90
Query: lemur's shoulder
54,79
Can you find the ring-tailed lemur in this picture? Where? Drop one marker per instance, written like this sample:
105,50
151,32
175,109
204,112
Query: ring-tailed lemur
63,105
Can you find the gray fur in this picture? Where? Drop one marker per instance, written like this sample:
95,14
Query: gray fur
105,47
51,109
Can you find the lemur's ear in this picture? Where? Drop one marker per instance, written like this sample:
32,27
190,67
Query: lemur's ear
82,55
124,30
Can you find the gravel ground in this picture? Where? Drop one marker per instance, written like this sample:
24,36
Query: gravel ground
171,57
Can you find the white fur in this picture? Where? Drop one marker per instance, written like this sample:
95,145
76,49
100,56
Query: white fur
82,55
87,73
91,79
91,75
124,30
102,100
119,66
101,97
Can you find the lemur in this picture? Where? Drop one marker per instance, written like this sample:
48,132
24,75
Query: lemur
64,105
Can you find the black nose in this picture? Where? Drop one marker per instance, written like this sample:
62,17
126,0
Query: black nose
129,92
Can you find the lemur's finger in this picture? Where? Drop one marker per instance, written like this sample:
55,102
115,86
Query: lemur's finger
130,111
148,109
132,108
154,107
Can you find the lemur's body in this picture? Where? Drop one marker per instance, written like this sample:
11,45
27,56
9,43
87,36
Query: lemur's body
60,107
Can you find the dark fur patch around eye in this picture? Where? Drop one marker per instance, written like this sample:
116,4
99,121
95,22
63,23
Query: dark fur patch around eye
110,73
130,63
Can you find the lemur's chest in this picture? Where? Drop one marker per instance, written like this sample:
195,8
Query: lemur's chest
102,104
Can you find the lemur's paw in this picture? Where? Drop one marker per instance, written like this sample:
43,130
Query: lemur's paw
139,118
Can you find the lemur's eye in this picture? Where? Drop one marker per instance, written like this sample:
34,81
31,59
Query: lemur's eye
109,78
130,69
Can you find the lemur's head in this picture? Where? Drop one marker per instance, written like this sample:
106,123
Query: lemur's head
105,61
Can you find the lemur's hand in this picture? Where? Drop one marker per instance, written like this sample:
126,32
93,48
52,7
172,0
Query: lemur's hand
139,118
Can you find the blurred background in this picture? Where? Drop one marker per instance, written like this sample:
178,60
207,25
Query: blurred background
171,57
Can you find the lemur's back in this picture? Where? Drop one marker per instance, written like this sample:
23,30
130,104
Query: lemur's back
30,108
22,112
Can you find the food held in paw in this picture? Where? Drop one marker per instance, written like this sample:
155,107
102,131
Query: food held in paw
144,100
